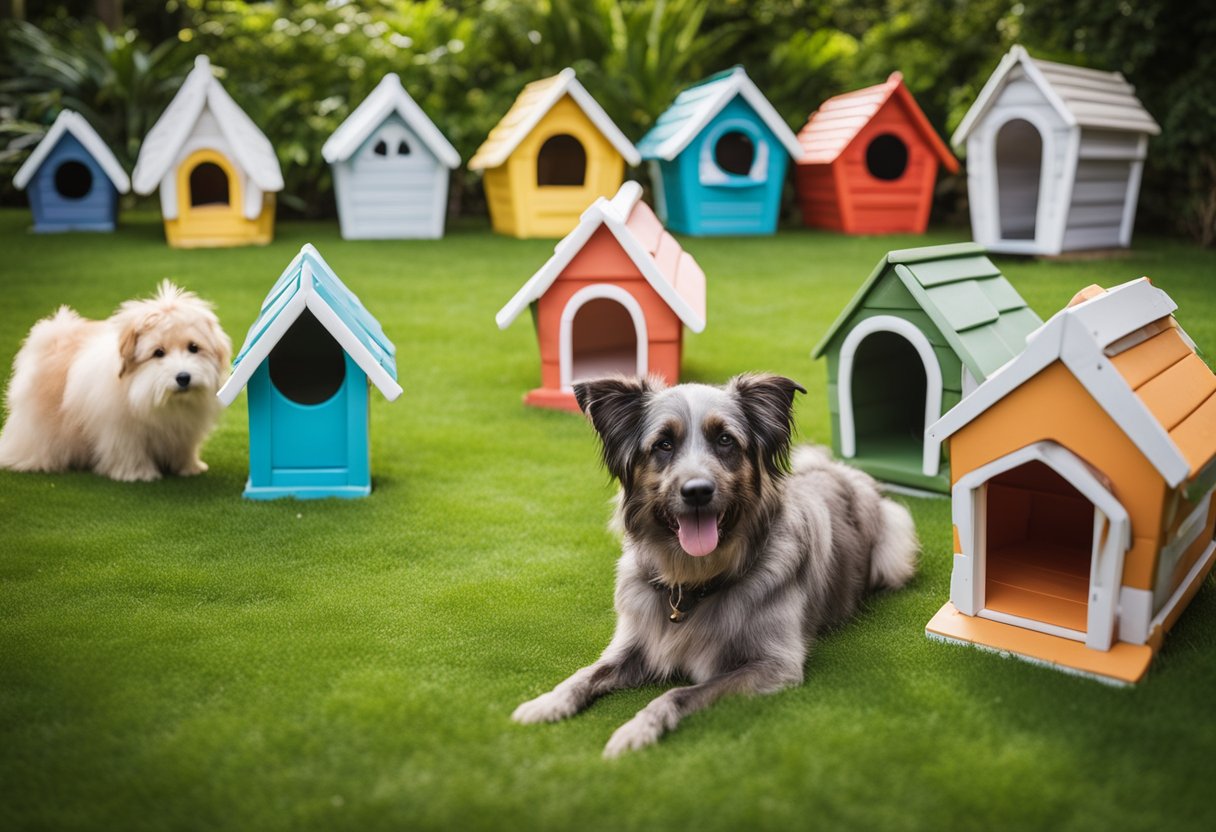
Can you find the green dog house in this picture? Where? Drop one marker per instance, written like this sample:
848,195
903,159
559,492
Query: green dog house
923,331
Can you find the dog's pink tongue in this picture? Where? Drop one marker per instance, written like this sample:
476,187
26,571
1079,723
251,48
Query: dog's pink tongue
698,532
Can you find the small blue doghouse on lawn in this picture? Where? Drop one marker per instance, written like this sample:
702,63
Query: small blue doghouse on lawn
307,360
73,179
718,158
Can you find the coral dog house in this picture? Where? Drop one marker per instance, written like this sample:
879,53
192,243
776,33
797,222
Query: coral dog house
1054,157
552,154
216,172
307,360
1083,475
718,157
391,168
73,179
923,330
869,163
614,298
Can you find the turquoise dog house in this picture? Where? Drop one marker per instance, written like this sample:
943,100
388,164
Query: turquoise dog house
307,361
718,158
72,178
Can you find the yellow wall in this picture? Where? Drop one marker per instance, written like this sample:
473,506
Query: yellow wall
520,208
211,226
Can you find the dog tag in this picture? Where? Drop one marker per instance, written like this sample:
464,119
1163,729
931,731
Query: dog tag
676,616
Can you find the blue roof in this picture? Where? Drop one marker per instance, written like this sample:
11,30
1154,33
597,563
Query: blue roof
309,283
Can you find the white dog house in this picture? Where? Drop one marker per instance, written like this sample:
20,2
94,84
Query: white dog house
1054,157
391,168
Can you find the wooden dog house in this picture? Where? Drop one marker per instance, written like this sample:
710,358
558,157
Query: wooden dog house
1054,157
614,298
869,162
391,168
552,155
1082,483
718,157
217,173
307,361
925,328
72,178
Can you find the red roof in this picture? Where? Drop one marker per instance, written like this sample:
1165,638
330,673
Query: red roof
838,120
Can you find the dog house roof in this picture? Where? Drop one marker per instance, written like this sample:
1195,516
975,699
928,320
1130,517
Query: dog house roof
72,122
671,271
309,283
200,91
696,106
980,314
832,127
534,102
388,97
1081,96
1126,349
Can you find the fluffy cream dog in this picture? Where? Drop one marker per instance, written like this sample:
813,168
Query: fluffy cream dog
131,397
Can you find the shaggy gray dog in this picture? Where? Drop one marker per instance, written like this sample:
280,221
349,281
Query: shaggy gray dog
735,555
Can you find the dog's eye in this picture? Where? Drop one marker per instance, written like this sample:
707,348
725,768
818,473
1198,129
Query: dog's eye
193,347
726,441
664,446
158,353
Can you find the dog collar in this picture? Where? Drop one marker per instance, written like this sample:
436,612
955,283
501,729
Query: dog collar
683,599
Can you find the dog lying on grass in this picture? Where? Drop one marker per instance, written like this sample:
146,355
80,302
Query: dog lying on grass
130,397
735,554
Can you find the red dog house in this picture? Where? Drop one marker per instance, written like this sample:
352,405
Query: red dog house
614,298
869,162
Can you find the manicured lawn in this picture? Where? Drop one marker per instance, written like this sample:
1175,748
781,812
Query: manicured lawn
172,656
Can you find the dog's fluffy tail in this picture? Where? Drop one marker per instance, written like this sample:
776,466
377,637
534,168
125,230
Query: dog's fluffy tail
894,557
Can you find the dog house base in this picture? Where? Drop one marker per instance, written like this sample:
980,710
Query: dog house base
315,492
1122,664
552,399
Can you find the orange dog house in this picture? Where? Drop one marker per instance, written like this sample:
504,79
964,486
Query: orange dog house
1083,475
869,162
614,298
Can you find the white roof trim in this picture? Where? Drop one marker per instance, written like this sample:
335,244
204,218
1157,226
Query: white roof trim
612,213
72,122
201,90
737,84
1077,337
388,97
567,84
306,297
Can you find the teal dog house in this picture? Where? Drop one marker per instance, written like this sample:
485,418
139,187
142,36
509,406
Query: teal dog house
718,158
928,327
307,361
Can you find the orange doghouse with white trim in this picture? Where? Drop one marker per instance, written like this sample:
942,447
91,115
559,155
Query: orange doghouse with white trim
614,298
1082,481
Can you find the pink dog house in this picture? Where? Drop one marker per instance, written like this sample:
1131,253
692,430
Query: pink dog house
614,298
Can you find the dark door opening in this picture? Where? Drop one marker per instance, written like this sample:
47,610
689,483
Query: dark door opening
889,388
887,157
208,185
735,153
1019,157
307,365
561,161
603,341
73,180
1039,546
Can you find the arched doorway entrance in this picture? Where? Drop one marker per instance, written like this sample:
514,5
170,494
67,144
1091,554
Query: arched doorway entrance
603,332
1019,159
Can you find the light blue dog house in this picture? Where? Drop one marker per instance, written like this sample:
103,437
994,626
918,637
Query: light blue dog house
718,158
307,361
72,178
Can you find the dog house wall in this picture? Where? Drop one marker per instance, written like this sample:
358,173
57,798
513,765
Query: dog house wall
558,106
836,188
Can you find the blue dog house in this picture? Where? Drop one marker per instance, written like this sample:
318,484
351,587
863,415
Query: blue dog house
72,178
718,157
307,361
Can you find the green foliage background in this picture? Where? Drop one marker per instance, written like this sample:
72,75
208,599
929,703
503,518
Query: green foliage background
299,68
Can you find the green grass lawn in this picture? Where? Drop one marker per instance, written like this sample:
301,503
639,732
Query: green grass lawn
172,656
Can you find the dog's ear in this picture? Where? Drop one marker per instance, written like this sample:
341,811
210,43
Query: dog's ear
220,340
615,406
768,403
128,339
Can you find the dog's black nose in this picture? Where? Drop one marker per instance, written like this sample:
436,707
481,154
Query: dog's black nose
183,380
697,492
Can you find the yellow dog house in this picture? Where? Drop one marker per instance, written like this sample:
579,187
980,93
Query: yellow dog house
552,155
217,173
1083,475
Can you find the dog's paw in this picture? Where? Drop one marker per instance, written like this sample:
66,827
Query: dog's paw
132,474
548,707
639,732
190,469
